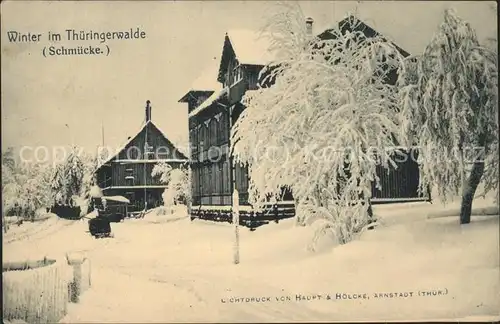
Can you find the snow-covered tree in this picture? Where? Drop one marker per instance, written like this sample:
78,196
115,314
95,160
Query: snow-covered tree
319,126
11,184
449,100
8,164
177,181
35,188
162,170
90,163
25,186
89,182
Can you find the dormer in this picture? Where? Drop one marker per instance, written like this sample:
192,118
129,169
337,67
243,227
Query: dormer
244,54
194,98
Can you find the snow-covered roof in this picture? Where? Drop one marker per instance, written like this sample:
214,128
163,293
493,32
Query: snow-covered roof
251,47
361,25
207,80
215,96
123,146
131,138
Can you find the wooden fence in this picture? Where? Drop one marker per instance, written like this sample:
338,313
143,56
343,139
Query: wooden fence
36,295
39,293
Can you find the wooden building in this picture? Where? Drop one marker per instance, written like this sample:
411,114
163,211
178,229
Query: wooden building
213,107
128,172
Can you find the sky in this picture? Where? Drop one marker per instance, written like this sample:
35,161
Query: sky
58,100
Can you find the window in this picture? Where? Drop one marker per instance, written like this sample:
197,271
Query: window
196,144
215,178
233,73
226,188
148,151
199,174
202,180
195,183
252,80
132,153
213,131
237,74
241,178
208,182
229,75
220,166
201,134
223,128
192,139
206,133
129,177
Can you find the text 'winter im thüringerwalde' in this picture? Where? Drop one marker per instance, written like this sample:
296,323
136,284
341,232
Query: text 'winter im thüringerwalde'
74,42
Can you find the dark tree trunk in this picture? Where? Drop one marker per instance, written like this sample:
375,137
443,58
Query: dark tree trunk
472,183
470,191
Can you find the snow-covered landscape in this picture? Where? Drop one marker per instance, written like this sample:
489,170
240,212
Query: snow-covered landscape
333,162
182,271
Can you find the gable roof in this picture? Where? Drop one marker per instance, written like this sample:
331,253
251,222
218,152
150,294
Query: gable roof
351,22
131,138
252,48
208,102
248,46
208,78
183,154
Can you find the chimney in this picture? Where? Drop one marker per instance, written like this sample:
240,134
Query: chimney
309,26
148,111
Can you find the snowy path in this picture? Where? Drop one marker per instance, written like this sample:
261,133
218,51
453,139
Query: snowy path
140,286
195,275
196,289
34,231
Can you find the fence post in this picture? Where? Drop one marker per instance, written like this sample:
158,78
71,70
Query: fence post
77,282
76,285
236,222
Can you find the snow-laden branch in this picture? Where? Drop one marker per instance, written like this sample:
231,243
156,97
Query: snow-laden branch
178,183
449,103
314,129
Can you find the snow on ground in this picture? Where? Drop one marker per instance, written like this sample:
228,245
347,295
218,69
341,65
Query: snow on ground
31,230
178,270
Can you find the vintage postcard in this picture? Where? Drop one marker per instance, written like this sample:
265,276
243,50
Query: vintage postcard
249,161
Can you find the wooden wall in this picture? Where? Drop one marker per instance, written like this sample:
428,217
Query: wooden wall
121,171
398,183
